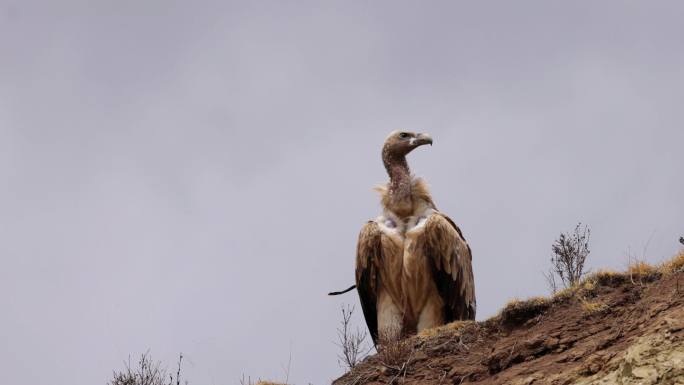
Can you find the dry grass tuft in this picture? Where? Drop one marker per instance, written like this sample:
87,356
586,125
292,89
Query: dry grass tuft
641,268
394,351
564,295
641,272
450,327
593,307
608,278
516,311
429,333
674,265
588,286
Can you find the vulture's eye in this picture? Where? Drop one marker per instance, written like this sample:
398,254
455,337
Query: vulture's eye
404,135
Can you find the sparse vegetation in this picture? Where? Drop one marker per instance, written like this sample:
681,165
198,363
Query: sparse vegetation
570,252
674,265
639,270
517,311
248,381
593,307
590,313
351,342
268,383
148,372
450,327
259,381
394,358
394,351
607,278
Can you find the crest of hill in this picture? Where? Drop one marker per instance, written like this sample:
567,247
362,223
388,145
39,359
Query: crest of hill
612,328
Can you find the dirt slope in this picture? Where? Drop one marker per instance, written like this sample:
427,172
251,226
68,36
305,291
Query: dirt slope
614,329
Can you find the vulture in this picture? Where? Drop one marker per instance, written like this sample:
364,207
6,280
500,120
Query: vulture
413,266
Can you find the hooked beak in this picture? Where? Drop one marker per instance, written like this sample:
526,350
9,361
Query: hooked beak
422,139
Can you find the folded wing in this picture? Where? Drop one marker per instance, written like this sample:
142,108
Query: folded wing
451,266
368,259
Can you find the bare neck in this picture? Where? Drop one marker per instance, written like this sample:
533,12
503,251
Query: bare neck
400,179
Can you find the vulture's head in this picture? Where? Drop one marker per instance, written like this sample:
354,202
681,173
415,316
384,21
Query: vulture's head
400,143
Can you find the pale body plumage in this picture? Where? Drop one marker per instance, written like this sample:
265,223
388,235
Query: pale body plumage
413,265
406,286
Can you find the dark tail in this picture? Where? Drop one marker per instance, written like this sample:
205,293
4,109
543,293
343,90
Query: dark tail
352,287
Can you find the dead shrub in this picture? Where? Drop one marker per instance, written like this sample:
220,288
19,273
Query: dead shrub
147,372
351,342
570,252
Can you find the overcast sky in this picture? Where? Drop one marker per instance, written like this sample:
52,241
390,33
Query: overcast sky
192,176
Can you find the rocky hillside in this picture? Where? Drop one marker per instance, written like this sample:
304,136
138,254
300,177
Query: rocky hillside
614,328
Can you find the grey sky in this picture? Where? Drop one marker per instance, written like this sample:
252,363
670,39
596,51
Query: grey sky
192,176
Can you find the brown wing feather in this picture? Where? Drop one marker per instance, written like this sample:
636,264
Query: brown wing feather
368,258
452,267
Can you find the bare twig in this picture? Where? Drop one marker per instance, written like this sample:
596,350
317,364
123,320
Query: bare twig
180,360
551,280
289,364
351,342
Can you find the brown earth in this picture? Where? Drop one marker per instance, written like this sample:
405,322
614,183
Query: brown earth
615,328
